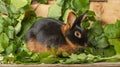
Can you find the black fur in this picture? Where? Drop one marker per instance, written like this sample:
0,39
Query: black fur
74,39
47,31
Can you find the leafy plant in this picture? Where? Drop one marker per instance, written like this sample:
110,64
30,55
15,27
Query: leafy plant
103,43
11,36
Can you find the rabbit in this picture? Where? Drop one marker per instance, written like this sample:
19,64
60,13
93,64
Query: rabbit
48,32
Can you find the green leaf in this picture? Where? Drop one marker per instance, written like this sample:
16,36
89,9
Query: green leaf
12,9
1,48
1,28
11,32
82,57
85,25
101,41
29,2
91,58
54,11
9,59
67,61
4,40
39,56
1,20
44,54
76,4
35,57
7,1
18,28
20,18
80,5
6,22
116,44
24,48
91,13
115,58
65,54
43,1
49,60
19,3
91,16
73,56
26,24
3,8
96,36
11,48
112,30
23,56
96,28
109,51
60,2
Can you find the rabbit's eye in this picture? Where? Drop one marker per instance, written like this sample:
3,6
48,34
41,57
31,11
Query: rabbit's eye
77,34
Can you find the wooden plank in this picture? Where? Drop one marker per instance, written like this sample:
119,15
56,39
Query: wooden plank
98,0
104,64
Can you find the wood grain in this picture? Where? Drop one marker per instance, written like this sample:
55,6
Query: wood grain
103,64
98,0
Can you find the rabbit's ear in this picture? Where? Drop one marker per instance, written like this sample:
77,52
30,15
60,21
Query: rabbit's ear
70,21
79,19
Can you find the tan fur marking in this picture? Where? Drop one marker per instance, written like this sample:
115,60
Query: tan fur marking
69,47
63,29
71,18
35,46
70,21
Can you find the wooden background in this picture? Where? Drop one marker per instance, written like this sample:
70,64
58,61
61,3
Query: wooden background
107,12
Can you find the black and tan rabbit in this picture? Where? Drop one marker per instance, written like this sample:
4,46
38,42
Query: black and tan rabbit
48,32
